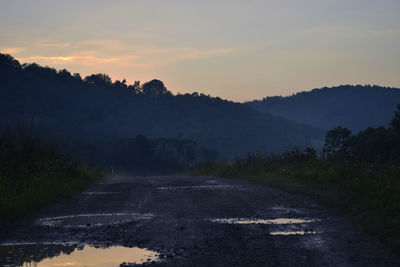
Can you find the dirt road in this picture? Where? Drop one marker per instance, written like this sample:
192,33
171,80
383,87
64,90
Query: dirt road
191,221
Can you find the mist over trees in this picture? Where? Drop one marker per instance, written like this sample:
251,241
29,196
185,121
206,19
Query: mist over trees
94,108
353,107
140,154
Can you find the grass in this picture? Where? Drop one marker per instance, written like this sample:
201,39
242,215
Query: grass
22,195
35,173
370,193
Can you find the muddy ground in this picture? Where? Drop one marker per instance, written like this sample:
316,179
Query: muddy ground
196,221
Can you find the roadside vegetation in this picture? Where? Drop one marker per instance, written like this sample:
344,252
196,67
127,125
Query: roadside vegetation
359,174
34,173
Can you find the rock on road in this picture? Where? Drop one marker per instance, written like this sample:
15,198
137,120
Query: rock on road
204,221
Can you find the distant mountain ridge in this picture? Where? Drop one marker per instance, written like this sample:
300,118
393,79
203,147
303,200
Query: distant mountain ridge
355,107
67,106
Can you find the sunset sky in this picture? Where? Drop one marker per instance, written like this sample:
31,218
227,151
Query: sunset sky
238,50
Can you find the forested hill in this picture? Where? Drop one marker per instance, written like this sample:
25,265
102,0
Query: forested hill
67,106
354,107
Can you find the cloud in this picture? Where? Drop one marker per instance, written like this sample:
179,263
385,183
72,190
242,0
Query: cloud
186,53
46,44
118,58
100,44
159,55
12,50
100,52
70,59
167,55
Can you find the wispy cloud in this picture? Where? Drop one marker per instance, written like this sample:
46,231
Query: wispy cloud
188,53
97,53
11,50
46,44
110,44
159,55
168,55
70,59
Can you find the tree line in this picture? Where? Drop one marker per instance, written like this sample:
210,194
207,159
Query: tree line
23,149
66,105
140,154
373,145
355,107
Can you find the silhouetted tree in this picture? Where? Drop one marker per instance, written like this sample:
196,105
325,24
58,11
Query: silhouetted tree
373,145
8,144
7,62
64,75
337,143
99,79
395,123
155,88
77,76
135,88
310,153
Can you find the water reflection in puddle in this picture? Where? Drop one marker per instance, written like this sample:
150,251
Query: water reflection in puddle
86,220
294,233
261,221
57,255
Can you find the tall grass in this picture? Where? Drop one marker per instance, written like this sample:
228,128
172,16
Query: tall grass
371,193
33,173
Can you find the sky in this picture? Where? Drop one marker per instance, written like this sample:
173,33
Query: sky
238,50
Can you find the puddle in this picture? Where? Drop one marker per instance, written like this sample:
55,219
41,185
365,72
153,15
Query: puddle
40,255
91,220
262,221
294,233
197,187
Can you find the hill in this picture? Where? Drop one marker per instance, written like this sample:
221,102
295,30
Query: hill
64,105
355,107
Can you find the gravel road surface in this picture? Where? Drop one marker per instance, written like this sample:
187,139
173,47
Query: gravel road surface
193,221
